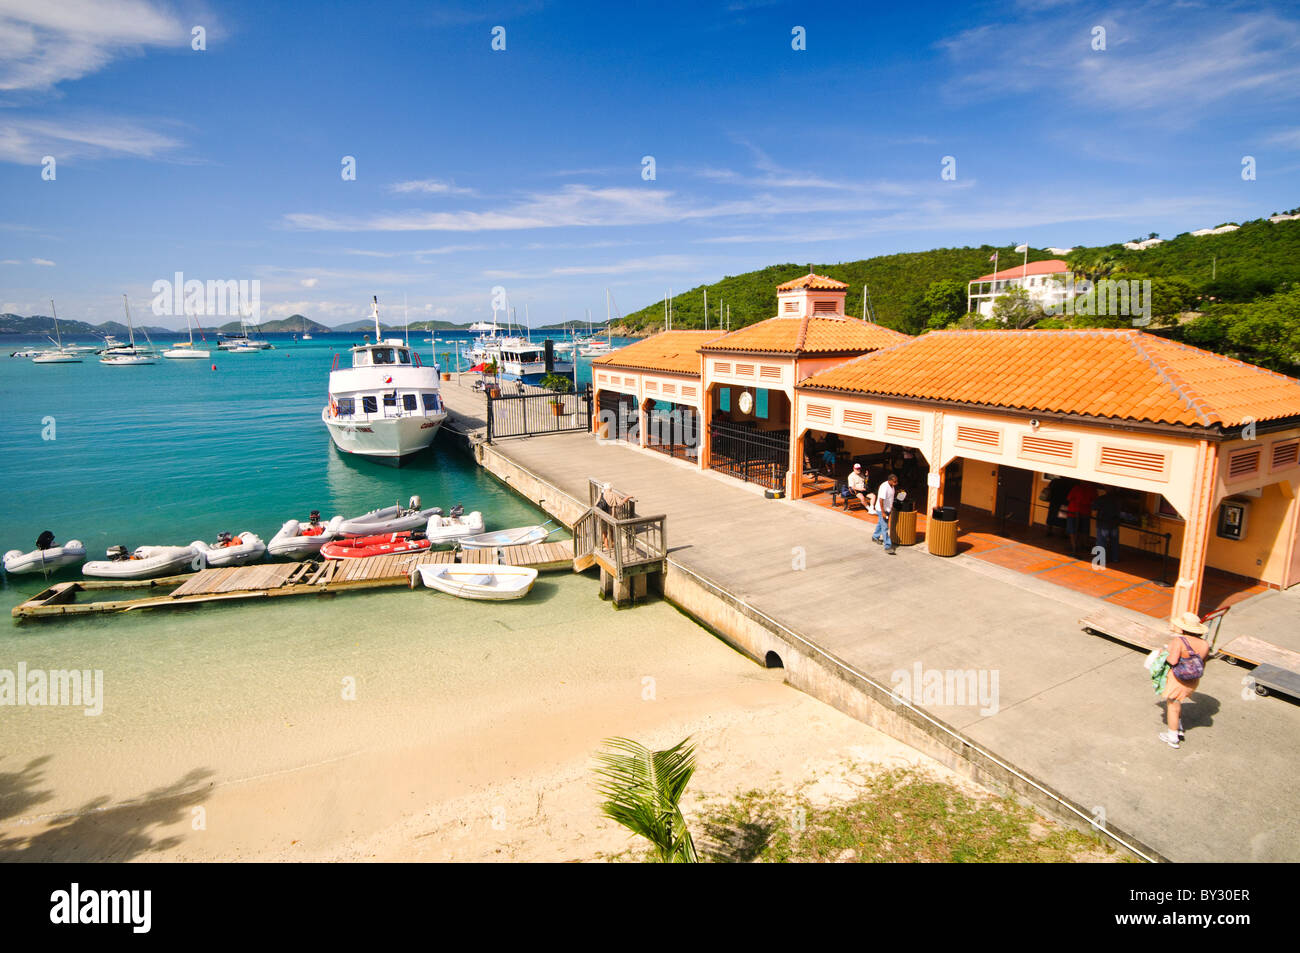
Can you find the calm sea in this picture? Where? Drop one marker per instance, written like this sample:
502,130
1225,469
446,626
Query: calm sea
176,451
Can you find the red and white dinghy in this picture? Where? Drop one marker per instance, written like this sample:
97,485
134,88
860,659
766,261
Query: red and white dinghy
387,544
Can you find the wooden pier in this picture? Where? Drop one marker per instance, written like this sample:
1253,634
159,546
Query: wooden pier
273,580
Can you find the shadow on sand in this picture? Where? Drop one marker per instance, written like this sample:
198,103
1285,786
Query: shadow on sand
99,830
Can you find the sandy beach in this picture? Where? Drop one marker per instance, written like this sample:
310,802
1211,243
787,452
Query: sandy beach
472,745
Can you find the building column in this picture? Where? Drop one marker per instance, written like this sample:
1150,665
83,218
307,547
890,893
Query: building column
934,496
643,421
595,411
706,414
1196,532
796,465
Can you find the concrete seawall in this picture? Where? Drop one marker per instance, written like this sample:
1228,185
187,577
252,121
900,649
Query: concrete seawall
808,666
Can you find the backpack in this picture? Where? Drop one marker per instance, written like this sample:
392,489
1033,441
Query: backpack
1189,667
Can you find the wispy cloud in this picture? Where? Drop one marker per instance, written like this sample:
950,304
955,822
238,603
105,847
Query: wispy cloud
1289,139
1157,58
655,264
416,253
26,140
429,187
45,43
28,261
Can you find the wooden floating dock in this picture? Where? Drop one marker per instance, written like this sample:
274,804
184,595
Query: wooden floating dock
272,580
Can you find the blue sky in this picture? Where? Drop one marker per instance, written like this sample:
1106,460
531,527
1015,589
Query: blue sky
522,168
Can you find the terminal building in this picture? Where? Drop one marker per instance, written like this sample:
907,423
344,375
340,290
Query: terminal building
1203,449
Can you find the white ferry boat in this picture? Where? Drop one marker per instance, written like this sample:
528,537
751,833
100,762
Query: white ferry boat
387,404
522,360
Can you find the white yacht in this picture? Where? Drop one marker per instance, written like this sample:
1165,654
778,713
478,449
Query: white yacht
127,356
62,354
387,404
527,362
188,352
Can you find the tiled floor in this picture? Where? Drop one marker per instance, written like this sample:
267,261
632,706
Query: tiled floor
1133,582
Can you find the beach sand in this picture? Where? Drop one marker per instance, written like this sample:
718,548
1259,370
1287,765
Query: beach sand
468,743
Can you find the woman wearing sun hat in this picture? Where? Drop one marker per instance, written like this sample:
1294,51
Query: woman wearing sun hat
1187,654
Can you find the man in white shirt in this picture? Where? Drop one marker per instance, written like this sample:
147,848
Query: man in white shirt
884,508
858,487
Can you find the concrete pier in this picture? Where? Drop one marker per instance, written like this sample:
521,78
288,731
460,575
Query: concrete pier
1065,720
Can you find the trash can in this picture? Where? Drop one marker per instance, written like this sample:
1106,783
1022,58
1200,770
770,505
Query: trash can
941,534
904,528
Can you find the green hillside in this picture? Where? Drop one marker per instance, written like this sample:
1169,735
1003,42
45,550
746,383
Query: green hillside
1237,293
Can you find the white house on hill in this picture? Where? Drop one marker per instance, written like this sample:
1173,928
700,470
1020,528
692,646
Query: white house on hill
1047,283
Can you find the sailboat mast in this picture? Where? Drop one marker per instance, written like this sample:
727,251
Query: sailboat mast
55,313
130,329
374,313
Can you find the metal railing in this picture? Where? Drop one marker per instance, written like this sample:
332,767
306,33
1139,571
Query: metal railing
619,539
749,454
530,414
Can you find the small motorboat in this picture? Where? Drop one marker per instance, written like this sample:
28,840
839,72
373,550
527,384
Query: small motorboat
456,525
489,583
386,544
297,540
28,353
46,557
391,519
230,550
519,536
146,562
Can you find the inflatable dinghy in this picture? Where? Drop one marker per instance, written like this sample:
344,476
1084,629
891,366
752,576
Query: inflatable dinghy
300,540
391,519
46,557
455,525
147,562
388,544
230,550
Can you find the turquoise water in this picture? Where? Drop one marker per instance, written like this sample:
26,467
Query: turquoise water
176,451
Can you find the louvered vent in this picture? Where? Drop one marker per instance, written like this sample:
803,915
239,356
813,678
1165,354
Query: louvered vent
769,373
859,418
980,437
1144,462
1243,463
819,412
1286,455
902,424
1047,447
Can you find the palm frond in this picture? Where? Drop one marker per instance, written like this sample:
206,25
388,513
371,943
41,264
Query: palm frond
642,791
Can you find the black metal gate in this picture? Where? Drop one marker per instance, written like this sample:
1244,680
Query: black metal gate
674,429
747,453
618,418
526,415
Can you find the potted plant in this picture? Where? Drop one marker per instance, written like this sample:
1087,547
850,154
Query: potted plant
557,385
493,389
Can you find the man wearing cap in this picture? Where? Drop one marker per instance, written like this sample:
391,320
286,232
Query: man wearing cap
858,487
1187,654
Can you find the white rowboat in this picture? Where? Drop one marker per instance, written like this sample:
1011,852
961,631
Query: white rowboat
487,583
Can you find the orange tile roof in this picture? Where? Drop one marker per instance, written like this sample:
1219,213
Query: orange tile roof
1053,266
1122,374
810,334
673,351
814,281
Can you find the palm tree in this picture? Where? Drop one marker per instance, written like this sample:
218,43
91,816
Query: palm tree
642,791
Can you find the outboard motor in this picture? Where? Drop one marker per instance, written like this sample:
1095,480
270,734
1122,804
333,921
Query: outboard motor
419,534
45,540
314,517
117,553
457,511
223,538
414,504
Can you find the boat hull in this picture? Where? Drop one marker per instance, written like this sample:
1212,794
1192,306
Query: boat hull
485,583
17,562
389,438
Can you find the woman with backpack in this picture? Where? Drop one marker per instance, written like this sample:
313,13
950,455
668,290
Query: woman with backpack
1187,654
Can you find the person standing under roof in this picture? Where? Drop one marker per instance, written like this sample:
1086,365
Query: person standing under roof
1078,507
884,510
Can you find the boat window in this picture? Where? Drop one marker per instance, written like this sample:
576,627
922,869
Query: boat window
408,401
390,400
383,355
403,357
430,401
347,406
369,405
360,358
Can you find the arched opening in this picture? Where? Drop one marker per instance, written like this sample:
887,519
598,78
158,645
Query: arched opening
772,660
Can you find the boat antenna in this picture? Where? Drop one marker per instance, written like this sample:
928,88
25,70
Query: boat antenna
406,316
374,313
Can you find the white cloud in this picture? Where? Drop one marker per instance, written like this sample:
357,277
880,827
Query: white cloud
309,282
27,141
44,43
30,261
429,187
1156,58
1289,138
